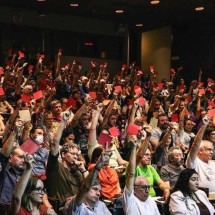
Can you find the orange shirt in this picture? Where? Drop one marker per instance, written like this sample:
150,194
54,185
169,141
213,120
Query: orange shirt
109,181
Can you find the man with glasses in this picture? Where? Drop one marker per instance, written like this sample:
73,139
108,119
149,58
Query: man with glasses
170,172
64,178
199,158
136,199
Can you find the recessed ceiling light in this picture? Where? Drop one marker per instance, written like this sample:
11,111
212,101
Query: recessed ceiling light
139,25
74,4
41,0
199,8
155,2
119,11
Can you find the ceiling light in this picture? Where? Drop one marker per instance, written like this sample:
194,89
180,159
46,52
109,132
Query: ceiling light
155,2
199,8
41,0
119,11
74,4
139,25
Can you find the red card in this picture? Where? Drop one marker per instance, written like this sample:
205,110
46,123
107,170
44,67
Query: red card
201,84
211,113
124,66
21,54
174,117
92,95
114,131
38,95
118,88
151,68
139,72
160,85
133,129
1,91
30,67
104,139
26,98
136,87
42,56
188,98
71,102
209,80
138,91
29,146
181,87
141,101
1,71
172,71
201,91
211,103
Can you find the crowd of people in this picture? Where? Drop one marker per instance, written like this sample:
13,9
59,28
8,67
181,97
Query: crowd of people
102,142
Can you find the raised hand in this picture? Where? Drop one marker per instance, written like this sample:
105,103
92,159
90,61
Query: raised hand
205,120
28,161
66,114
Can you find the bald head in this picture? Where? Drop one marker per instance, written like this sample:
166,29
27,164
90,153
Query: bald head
206,150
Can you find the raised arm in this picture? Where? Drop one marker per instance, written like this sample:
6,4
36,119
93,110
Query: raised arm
196,143
129,183
89,181
79,113
54,146
20,186
109,109
144,146
92,139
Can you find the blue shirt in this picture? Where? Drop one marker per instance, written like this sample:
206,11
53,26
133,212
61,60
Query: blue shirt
8,179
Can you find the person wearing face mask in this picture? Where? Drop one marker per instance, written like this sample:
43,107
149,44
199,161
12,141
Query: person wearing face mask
187,198
41,154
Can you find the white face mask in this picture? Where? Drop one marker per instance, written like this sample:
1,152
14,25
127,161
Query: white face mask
39,139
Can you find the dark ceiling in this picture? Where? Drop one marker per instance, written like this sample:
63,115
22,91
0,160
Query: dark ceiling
175,12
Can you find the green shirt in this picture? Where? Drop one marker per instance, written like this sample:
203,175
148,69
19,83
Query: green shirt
150,174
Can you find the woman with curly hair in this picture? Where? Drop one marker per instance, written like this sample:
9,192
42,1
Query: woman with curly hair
187,198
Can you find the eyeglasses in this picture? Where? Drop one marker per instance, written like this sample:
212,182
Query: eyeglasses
144,187
40,190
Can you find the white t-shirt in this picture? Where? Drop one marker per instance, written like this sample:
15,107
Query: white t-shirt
206,172
133,206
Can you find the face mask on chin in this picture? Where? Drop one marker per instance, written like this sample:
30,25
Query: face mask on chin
39,139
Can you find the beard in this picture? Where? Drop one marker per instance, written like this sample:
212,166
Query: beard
164,126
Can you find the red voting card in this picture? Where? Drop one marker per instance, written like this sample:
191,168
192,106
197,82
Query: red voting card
138,91
160,85
71,102
136,87
38,95
114,131
139,72
1,71
201,84
141,101
92,95
188,98
133,129
211,113
209,80
211,103
201,91
26,98
118,88
30,67
52,85
29,146
174,117
104,139
1,91
21,54
181,87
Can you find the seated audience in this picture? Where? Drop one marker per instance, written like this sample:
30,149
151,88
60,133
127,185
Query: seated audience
86,201
187,198
136,199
